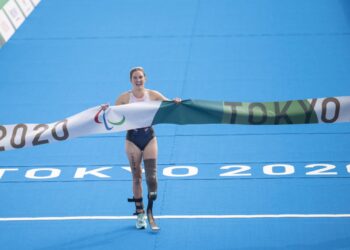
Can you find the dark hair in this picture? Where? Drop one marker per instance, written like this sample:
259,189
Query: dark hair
137,69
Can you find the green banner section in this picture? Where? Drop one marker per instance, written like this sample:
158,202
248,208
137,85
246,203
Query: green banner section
189,112
269,113
246,113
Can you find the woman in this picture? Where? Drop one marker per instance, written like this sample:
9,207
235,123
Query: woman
142,144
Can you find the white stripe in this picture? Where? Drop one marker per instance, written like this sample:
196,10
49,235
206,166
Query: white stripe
229,216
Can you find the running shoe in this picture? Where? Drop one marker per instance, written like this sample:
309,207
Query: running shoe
141,222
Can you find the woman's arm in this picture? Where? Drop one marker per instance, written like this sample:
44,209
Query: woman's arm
157,96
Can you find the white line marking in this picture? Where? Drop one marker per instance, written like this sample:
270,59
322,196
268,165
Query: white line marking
230,216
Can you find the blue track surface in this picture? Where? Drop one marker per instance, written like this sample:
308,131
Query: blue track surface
71,55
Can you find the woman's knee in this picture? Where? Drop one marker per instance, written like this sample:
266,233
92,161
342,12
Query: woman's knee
137,176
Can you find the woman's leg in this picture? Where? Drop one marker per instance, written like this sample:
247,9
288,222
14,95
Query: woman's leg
150,162
135,157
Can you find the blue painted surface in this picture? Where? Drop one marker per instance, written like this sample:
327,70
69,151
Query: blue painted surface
71,55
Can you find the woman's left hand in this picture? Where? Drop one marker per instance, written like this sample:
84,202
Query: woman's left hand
177,100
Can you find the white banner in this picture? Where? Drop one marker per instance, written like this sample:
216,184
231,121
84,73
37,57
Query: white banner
14,13
26,6
6,29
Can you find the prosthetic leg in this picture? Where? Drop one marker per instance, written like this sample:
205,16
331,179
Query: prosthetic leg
152,185
151,197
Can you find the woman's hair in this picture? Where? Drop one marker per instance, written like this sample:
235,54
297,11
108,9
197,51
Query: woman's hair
137,69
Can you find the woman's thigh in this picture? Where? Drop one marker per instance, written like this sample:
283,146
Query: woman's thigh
151,150
134,155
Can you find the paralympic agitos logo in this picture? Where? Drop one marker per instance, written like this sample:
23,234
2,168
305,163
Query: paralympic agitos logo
106,122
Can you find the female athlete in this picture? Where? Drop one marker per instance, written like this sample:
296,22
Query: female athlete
141,144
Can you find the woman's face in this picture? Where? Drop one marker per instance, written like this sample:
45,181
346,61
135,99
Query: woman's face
138,79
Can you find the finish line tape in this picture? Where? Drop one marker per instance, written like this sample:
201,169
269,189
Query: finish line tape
108,119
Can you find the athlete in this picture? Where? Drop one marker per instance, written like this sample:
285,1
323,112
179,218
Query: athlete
141,144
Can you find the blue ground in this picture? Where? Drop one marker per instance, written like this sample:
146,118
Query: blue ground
72,55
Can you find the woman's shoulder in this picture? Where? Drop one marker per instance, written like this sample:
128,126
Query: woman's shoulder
123,98
156,95
152,92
